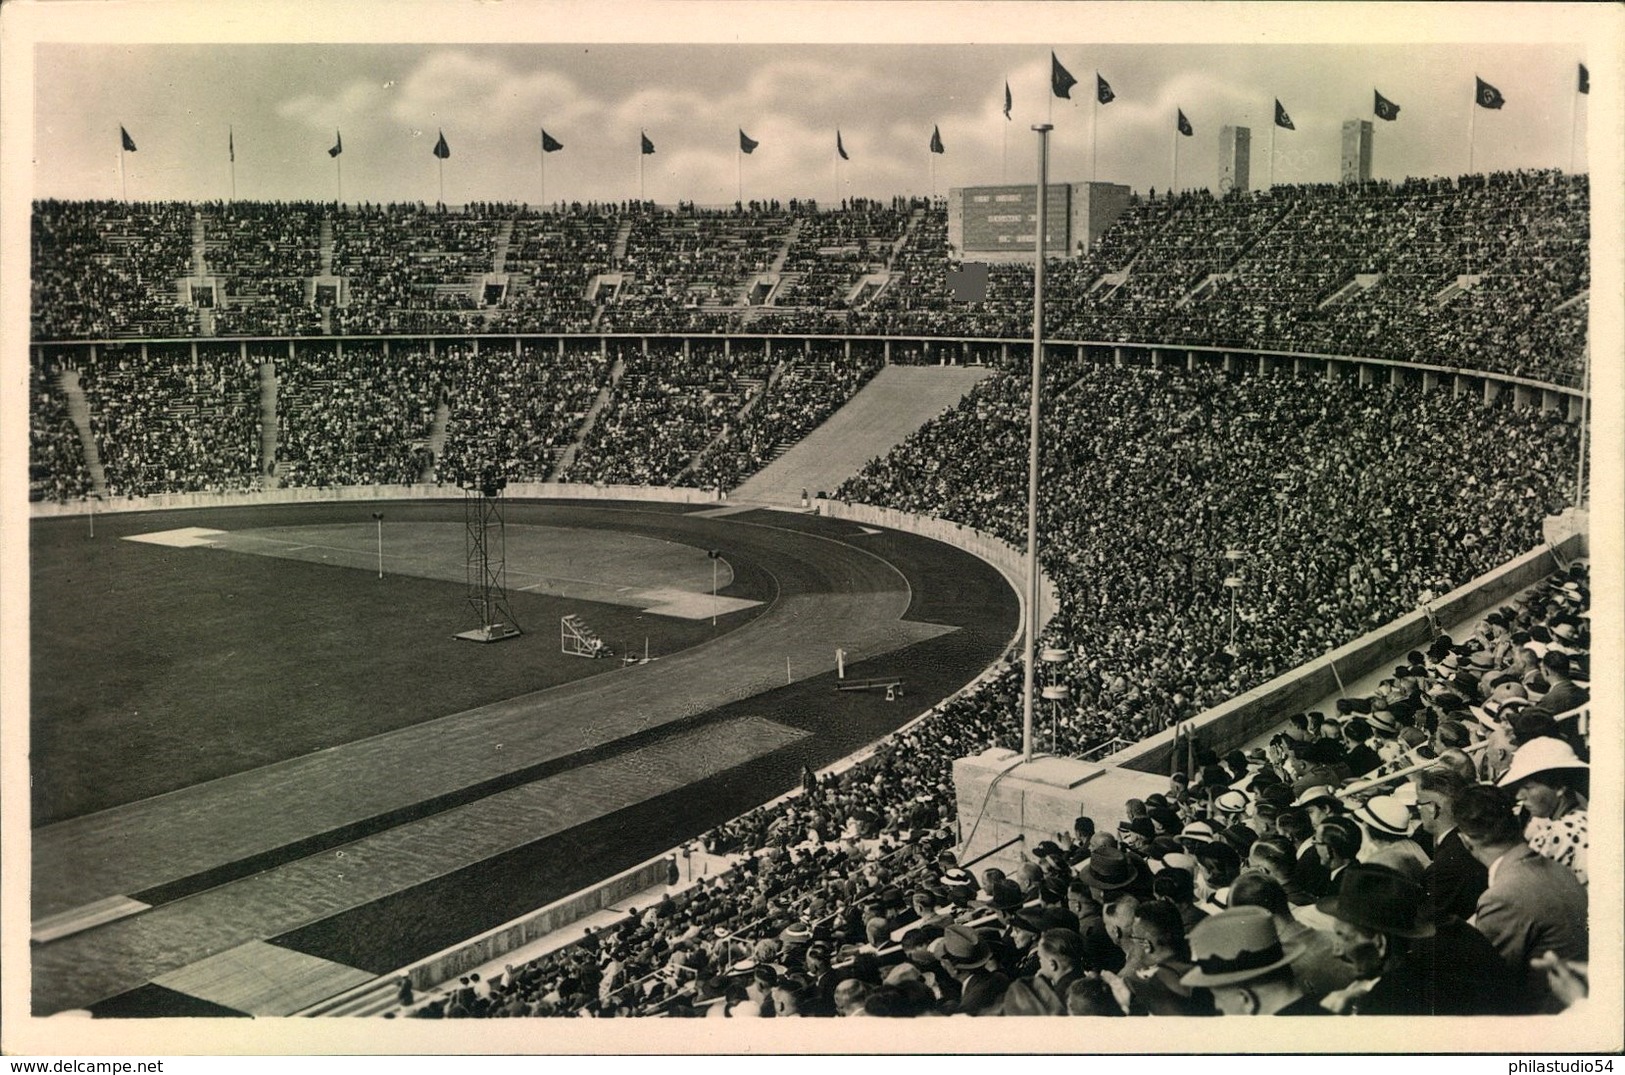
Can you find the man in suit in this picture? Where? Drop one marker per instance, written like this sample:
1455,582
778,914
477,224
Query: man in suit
1564,694
1532,905
1404,963
966,956
1454,879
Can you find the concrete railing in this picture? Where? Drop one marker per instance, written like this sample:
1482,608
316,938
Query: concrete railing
449,963
341,494
1246,717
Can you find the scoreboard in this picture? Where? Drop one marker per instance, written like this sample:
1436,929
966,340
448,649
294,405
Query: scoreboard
1000,223
1006,218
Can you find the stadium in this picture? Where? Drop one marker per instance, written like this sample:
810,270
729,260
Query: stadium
621,608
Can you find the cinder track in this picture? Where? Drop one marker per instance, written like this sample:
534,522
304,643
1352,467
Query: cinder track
829,593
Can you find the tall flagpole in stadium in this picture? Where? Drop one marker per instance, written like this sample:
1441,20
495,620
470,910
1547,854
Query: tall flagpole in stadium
1031,628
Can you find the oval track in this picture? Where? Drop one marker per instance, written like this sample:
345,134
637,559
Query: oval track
830,591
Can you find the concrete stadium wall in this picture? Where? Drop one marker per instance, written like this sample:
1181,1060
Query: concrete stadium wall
340,494
451,962
1248,716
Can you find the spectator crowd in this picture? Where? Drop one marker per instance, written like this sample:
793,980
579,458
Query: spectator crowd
1486,272
1419,851
1344,506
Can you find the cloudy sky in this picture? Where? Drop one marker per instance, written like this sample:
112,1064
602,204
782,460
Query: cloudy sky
790,84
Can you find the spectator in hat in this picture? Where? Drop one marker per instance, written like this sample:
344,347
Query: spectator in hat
1318,969
1454,878
1319,801
1242,961
966,957
1533,905
1109,872
1385,826
1550,783
1403,963
1016,953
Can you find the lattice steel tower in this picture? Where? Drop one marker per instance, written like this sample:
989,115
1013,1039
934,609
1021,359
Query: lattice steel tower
486,544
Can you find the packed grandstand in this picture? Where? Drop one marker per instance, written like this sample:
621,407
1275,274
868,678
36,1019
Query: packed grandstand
643,345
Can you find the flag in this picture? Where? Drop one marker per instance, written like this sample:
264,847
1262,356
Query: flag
1281,118
1385,108
1585,79
839,146
126,141
1008,102
747,144
441,149
936,139
1183,124
231,145
648,146
549,143
338,145
1488,96
1060,79
1103,90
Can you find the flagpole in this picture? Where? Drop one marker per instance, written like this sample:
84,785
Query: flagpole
123,190
1094,131
1173,184
1030,630
541,161
442,161
1273,125
739,177
641,155
231,142
1472,128
338,169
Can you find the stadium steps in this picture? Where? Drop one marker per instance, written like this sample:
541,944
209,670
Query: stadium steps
499,254
437,440
621,236
200,261
568,457
896,402
784,251
369,998
327,253
752,390
1364,281
79,411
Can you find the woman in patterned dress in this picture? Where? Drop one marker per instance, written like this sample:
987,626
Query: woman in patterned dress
1551,783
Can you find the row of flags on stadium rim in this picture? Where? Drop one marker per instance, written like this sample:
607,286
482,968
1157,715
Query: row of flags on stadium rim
1061,83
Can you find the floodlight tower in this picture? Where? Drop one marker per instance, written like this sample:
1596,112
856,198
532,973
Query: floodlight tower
485,525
